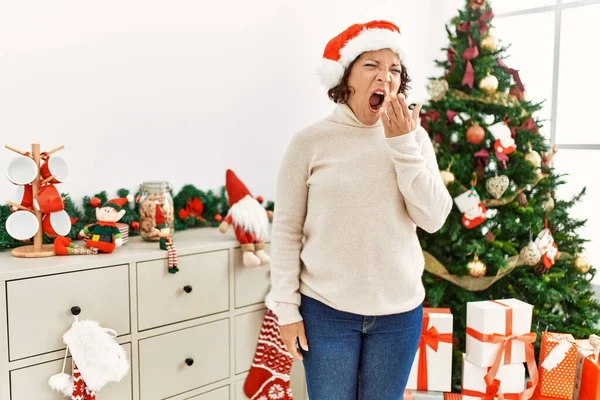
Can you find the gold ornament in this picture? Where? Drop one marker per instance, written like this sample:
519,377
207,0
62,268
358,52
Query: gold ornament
497,185
530,254
477,4
476,268
582,265
437,89
489,43
447,176
489,84
534,158
548,204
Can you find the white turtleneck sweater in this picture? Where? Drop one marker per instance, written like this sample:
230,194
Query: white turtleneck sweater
347,203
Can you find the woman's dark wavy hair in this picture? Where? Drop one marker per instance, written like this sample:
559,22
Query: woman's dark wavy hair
340,93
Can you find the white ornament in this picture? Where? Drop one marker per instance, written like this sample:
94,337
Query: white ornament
454,137
530,254
489,84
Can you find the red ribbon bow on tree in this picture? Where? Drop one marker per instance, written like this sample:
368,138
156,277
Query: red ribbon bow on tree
527,125
482,157
513,72
473,51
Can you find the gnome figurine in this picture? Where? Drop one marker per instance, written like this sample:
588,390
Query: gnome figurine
250,221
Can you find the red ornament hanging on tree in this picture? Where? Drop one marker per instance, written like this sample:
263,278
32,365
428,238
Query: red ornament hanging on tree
475,134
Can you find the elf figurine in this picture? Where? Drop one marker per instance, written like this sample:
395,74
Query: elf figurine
166,240
104,234
250,221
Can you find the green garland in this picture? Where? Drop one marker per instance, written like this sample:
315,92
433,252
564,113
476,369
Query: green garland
194,208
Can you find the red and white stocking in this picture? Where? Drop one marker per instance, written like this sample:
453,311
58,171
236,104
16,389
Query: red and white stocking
269,377
80,389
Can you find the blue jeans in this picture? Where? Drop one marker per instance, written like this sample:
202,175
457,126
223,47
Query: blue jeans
353,356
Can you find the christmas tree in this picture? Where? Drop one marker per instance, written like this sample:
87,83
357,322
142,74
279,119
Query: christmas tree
508,236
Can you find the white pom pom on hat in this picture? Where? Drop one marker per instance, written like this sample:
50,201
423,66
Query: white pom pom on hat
351,43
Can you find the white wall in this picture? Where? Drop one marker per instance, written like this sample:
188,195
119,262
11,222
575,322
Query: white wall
178,90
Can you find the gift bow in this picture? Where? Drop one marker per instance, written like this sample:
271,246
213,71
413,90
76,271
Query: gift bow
505,350
430,337
492,392
595,342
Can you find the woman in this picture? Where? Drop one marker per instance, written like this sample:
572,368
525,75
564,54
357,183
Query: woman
346,261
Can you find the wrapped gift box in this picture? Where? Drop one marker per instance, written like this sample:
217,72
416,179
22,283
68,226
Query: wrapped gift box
558,361
432,367
511,381
488,320
587,376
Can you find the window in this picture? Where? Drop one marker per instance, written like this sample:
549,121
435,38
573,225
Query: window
553,47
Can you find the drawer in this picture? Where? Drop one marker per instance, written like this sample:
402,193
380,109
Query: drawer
239,390
163,369
43,305
247,328
251,284
217,394
32,382
162,298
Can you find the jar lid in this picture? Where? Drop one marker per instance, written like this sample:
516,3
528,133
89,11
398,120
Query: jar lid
156,185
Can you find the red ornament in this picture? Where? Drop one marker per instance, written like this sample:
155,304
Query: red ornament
135,226
475,134
218,217
95,202
260,199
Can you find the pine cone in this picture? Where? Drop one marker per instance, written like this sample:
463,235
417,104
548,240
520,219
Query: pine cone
490,237
522,199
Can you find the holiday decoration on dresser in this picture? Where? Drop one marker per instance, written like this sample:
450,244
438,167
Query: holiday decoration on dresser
250,221
97,360
432,367
166,240
38,207
151,194
269,376
558,361
486,125
104,235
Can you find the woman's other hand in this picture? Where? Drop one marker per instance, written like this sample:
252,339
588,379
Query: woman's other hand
289,334
396,117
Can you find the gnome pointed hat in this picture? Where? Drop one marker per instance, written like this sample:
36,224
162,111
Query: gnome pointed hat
161,221
236,190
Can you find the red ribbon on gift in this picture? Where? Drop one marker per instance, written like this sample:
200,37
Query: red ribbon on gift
505,349
430,337
491,393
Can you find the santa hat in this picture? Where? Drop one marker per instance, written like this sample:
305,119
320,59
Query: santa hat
117,204
236,190
351,43
161,221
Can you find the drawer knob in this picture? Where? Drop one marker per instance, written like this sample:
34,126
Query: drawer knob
189,361
76,310
187,289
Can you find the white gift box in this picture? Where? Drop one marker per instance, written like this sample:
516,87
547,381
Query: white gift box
486,318
511,377
437,331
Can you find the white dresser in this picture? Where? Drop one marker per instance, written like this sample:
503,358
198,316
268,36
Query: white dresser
189,335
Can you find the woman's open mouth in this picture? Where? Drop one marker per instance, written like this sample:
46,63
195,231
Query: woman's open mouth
376,100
